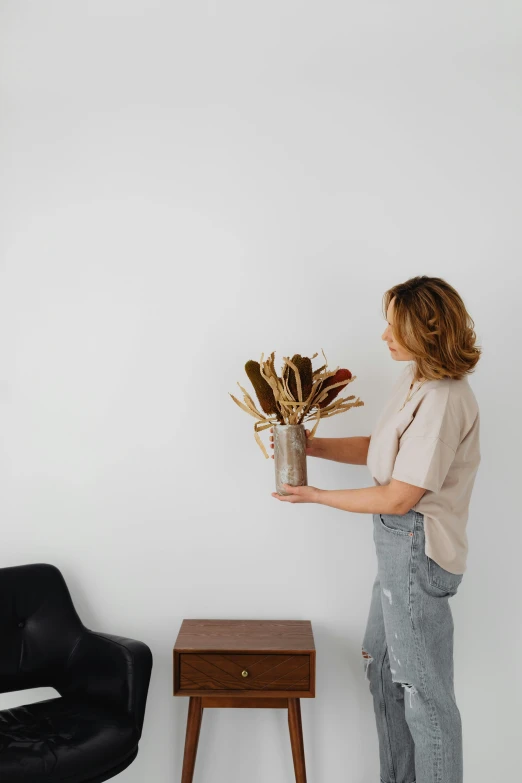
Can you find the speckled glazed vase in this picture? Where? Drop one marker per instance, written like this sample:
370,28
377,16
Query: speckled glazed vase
290,456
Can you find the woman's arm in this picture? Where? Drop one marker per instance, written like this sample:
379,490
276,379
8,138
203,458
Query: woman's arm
397,497
353,451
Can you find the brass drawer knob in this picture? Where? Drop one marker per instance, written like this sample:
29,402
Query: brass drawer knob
244,673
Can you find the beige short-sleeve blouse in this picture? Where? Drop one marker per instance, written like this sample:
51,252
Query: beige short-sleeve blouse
433,442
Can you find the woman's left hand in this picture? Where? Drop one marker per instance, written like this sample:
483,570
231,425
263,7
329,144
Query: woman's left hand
298,494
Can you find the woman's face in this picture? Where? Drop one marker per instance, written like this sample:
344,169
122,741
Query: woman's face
395,350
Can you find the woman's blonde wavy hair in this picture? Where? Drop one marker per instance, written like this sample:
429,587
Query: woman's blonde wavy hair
431,322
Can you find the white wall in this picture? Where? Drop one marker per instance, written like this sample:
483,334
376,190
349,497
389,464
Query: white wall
185,186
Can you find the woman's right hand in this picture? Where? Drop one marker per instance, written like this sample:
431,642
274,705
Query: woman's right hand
310,450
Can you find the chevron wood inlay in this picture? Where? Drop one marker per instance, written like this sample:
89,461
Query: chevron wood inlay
224,672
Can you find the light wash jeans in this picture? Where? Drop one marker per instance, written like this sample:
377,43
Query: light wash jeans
408,657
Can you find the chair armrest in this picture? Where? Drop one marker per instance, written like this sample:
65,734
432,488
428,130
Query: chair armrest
112,671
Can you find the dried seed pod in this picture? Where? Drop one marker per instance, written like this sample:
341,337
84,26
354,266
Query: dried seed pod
304,367
340,375
263,390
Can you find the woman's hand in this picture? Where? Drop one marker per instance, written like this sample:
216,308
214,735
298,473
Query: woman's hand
299,494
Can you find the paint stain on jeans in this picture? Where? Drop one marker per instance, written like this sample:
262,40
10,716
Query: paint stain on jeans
367,661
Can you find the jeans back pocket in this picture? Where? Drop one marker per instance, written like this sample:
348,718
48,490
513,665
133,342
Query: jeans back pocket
441,579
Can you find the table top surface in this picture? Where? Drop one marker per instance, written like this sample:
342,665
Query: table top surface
259,635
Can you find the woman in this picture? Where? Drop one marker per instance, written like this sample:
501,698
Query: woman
423,456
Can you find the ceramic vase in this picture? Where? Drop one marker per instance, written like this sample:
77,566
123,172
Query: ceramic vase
290,456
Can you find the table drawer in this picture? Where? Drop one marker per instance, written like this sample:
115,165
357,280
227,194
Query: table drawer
244,672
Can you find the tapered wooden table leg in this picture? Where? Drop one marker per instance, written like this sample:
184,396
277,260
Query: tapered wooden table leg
195,715
296,739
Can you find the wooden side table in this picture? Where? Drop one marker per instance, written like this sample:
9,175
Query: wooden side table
244,663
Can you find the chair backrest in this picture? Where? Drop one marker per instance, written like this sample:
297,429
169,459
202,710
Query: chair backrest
39,626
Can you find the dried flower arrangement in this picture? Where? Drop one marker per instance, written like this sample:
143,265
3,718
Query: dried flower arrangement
297,395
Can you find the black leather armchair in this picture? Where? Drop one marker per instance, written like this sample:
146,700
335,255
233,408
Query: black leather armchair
91,733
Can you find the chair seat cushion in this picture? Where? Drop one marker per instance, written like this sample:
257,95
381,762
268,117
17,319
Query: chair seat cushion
63,740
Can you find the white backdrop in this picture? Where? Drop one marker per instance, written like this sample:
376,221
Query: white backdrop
185,186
